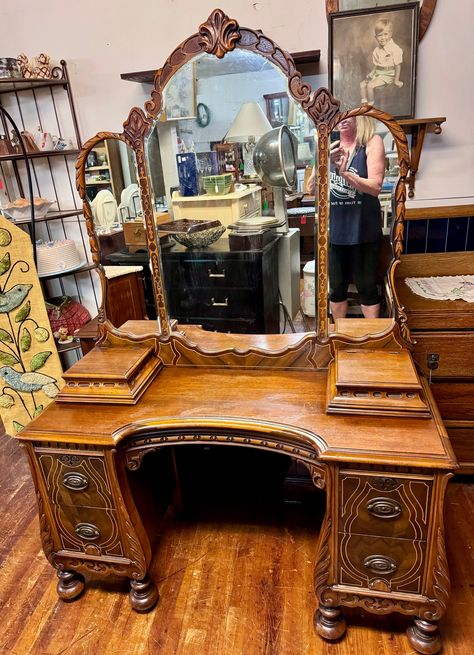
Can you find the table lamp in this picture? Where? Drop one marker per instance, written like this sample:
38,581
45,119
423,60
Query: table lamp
248,126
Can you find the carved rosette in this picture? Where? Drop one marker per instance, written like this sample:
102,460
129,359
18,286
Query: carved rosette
218,34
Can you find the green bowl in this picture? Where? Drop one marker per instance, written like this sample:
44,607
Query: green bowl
217,185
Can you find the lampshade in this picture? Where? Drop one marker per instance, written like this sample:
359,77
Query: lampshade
250,121
274,158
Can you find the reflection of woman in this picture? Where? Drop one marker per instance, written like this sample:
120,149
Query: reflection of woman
355,232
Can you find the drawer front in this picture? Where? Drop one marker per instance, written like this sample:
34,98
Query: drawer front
381,563
88,530
250,206
384,506
215,272
455,400
454,349
215,303
134,233
76,479
462,441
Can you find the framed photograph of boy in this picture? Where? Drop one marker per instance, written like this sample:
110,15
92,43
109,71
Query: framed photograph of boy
372,58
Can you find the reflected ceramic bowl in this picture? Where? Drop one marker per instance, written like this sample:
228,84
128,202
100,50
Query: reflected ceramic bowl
200,239
23,212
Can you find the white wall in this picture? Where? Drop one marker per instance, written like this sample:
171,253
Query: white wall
102,39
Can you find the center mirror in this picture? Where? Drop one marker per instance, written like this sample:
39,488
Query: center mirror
228,158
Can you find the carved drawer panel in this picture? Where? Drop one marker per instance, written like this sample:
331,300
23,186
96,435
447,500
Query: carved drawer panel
381,563
76,479
88,530
385,506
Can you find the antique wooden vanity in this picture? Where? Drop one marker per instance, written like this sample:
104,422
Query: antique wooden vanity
347,403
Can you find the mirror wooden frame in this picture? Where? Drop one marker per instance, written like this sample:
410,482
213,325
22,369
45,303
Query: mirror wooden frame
426,13
218,36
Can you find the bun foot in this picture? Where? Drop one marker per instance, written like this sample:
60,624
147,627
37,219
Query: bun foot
424,637
143,594
329,623
70,585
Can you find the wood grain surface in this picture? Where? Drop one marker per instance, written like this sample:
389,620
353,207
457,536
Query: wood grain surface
289,403
231,583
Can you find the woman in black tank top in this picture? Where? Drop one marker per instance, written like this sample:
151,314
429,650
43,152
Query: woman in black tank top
355,224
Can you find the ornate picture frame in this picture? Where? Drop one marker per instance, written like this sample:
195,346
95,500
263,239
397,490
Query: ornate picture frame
372,58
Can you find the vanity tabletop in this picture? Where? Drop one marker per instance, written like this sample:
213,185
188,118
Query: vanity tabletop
289,403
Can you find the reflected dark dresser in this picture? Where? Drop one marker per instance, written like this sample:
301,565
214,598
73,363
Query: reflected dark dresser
224,290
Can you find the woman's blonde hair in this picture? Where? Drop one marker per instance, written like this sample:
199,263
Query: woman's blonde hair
365,129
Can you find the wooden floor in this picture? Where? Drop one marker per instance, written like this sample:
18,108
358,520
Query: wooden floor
228,587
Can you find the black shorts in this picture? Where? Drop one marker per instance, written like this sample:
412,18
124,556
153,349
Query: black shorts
358,264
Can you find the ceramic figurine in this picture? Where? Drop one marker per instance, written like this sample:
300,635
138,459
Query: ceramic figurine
42,68
26,70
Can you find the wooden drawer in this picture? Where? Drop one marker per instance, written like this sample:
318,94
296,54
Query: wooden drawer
455,400
384,506
462,441
134,233
455,351
76,479
381,563
250,206
88,530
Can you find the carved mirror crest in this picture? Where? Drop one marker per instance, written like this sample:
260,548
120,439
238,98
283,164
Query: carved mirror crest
219,46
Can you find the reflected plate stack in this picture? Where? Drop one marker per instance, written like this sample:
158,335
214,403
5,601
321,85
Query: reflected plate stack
252,233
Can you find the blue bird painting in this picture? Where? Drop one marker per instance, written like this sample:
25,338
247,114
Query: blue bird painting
13,298
29,381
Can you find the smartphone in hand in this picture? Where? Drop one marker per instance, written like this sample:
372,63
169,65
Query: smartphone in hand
335,136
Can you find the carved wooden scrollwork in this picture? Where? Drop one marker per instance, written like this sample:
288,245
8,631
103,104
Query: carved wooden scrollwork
218,34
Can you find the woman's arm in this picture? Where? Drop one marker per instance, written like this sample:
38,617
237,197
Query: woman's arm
375,168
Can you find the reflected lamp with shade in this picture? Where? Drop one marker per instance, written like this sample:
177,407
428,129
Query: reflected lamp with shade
247,127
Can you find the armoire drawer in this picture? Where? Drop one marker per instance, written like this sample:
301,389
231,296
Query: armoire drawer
76,479
454,351
381,563
384,506
88,530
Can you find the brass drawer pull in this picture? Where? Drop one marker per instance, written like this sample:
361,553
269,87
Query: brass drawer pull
384,508
219,304
75,481
87,531
211,274
380,564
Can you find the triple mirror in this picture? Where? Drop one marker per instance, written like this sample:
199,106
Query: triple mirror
288,238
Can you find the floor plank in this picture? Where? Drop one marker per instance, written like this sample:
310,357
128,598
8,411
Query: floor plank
231,582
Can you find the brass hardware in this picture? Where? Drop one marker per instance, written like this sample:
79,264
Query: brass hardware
380,564
219,304
384,508
211,274
75,481
87,531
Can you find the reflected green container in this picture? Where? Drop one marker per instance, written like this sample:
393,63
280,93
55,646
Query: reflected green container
217,185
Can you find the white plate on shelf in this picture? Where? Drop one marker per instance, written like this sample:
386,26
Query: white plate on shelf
64,270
